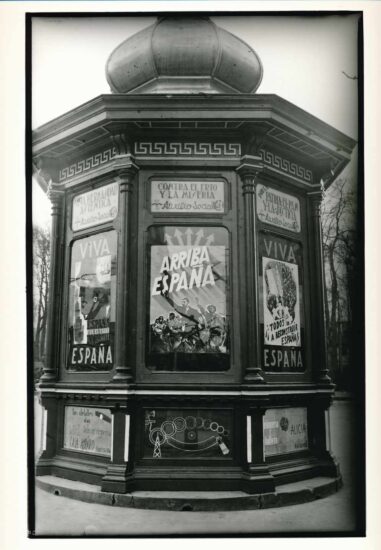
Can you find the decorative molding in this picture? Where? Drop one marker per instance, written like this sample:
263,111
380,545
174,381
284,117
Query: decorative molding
198,393
122,143
85,165
188,149
284,165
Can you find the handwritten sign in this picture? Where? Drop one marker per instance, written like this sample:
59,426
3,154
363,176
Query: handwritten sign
285,431
279,209
95,207
187,196
88,429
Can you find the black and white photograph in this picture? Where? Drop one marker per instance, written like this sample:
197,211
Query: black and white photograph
195,272
197,216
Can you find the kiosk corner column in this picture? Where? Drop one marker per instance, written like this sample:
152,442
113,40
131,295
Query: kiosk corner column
123,370
55,193
248,172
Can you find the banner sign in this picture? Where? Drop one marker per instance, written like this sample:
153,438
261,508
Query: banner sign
285,431
88,429
188,290
188,196
281,311
279,209
94,207
92,302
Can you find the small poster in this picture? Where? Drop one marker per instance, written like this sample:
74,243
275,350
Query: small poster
92,302
285,431
277,208
281,303
94,207
88,429
281,312
201,197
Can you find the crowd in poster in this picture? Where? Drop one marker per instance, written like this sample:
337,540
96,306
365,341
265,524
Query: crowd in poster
188,293
92,302
94,207
285,430
281,303
277,208
187,196
88,429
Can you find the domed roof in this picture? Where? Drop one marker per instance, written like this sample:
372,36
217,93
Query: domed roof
183,54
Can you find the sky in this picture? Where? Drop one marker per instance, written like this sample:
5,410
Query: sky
303,60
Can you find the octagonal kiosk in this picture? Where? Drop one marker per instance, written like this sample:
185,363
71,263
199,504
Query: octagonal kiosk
186,344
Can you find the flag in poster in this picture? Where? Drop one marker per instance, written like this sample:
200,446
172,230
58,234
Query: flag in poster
281,303
188,295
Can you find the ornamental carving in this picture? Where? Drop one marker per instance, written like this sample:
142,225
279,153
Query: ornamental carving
284,165
87,164
188,149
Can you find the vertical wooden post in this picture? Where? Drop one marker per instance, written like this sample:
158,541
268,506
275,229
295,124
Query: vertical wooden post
318,436
50,370
258,477
48,435
123,370
248,174
258,456
118,475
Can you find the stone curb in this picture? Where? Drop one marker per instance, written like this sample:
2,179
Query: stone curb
196,504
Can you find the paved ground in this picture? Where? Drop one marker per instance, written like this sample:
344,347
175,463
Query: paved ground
56,515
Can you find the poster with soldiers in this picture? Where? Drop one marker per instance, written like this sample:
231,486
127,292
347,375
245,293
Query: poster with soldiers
188,292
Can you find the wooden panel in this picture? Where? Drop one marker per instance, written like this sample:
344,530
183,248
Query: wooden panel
88,429
285,431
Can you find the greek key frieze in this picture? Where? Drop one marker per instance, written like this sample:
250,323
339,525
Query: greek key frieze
85,165
187,149
284,165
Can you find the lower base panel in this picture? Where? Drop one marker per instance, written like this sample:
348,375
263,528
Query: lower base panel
285,495
256,479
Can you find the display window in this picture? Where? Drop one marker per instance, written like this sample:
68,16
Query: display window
188,433
281,311
87,429
285,430
92,295
189,321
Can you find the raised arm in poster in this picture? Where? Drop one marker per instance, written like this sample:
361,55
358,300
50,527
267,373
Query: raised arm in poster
188,290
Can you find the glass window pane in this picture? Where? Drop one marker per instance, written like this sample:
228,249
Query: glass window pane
188,433
281,311
92,303
188,314
87,429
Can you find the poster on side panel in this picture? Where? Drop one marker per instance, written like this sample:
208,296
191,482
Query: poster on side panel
281,303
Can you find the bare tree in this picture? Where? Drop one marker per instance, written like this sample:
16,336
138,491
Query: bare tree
340,255
41,266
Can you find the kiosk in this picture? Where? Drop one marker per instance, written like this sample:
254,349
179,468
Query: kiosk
186,346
